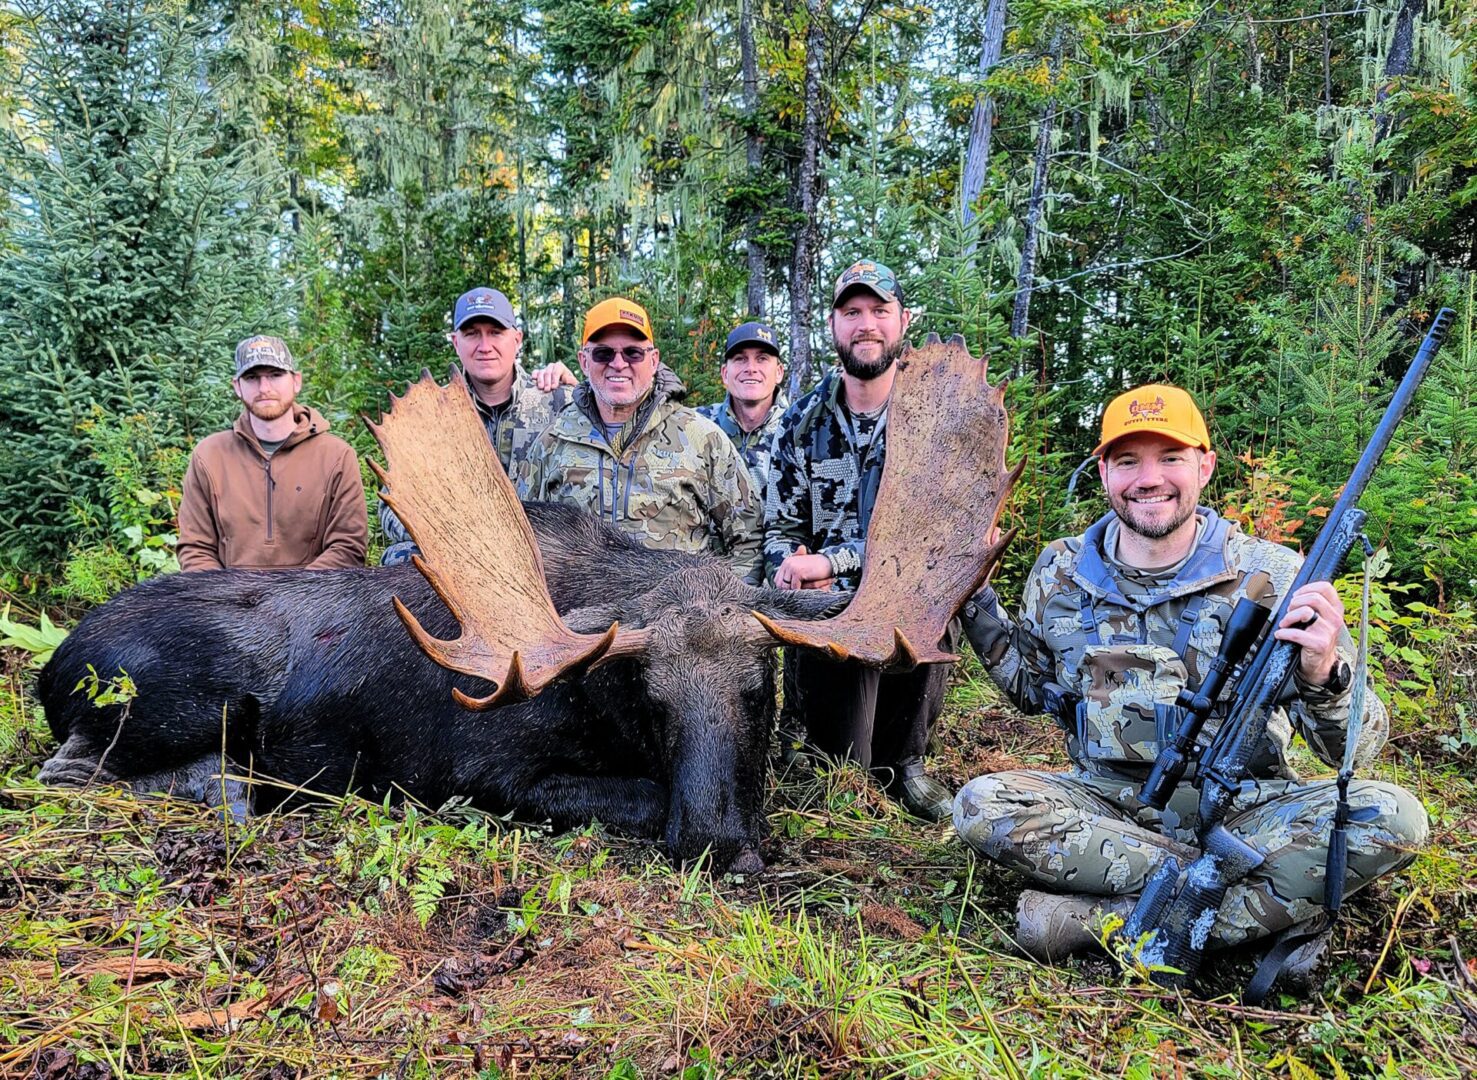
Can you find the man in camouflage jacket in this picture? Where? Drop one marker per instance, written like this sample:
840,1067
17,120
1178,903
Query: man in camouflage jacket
513,409
1113,623
751,410
823,479
627,451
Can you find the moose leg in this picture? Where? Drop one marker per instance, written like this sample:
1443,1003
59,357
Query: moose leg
634,805
76,763
205,780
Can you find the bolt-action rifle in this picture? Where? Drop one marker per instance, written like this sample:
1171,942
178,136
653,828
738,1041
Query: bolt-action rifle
1180,914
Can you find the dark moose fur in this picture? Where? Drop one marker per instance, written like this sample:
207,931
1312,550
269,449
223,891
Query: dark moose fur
322,688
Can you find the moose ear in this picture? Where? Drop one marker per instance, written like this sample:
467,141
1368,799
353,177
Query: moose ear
805,604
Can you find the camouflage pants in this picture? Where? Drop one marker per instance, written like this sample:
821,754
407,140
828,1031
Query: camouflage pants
1080,833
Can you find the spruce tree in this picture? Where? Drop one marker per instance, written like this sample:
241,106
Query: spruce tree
139,251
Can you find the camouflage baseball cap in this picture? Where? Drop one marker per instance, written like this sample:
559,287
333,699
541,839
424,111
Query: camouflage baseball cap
263,351
872,276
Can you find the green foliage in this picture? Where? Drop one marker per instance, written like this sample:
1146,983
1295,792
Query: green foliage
40,640
1422,658
415,854
134,537
118,689
138,253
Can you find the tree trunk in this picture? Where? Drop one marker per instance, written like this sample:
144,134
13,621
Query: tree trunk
802,262
1025,279
753,156
982,123
1397,60
1327,60
566,271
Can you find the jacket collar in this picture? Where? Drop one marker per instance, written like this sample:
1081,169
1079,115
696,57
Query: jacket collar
1208,563
728,418
308,422
522,383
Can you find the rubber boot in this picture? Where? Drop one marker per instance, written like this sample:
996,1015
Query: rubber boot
1053,926
920,794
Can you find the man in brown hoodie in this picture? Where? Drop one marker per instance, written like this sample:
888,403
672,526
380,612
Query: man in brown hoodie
276,491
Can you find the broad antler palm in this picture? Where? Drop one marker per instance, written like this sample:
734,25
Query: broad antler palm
943,486
447,486
942,490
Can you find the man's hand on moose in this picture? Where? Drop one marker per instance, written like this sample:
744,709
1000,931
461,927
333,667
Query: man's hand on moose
804,571
1315,615
550,376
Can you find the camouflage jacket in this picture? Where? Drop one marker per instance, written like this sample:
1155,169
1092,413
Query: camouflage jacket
1127,658
672,481
755,447
822,486
510,426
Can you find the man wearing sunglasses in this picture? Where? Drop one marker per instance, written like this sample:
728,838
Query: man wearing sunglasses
627,451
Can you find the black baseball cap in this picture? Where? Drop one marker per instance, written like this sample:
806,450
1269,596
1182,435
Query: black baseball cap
752,333
483,304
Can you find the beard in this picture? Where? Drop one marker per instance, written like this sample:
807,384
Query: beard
867,370
269,410
1152,526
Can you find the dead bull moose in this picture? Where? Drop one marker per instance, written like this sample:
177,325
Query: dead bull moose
631,686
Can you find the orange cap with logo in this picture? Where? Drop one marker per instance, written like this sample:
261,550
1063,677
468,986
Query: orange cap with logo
617,311
1157,408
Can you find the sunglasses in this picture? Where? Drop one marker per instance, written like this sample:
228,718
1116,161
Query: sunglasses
605,354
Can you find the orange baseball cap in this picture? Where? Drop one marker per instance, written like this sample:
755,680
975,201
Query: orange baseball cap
1158,408
617,311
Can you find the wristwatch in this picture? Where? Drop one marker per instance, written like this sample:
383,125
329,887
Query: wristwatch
1340,679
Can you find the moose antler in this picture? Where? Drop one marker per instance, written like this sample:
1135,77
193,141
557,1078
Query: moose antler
478,551
943,485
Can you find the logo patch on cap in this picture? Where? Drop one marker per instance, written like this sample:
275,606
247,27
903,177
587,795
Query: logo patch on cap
1146,409
764,335
633,317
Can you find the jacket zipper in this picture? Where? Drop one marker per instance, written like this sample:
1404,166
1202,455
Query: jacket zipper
267,468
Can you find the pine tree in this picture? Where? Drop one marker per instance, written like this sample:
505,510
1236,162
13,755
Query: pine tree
138,256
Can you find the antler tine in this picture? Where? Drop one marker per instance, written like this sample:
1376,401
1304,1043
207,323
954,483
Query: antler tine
942,490
478,551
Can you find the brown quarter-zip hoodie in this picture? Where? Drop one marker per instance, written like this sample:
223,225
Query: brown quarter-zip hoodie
302,507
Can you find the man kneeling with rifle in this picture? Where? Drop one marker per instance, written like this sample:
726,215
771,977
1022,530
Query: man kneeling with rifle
1114,625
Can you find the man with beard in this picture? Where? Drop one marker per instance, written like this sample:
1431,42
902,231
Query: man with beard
628,451
276,491
823,479
750,413
1113,624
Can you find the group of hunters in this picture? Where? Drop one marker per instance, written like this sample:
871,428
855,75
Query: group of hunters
1112,624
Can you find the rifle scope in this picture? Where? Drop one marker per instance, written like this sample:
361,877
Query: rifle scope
1245,626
